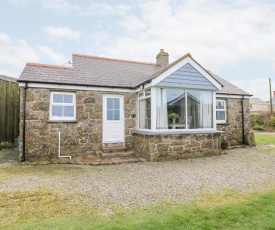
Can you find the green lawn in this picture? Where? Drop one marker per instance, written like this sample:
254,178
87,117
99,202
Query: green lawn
225,210
264,139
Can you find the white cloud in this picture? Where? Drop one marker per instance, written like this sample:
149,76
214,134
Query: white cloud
15,53
52,55
4,38
59,5
216,33
62,32
107,9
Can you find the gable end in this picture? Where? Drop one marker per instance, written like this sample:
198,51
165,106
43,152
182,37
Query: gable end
187,77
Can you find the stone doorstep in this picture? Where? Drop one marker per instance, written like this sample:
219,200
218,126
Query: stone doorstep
117,154
92,160
114,149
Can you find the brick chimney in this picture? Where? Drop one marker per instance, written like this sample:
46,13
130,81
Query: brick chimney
162,58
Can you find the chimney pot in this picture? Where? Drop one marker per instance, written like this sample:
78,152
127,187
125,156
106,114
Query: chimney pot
162,58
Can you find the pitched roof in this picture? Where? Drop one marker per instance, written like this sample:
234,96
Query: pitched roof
92,70
6,78
228,88
107,72
257,101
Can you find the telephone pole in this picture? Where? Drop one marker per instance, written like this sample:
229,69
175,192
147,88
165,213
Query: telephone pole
271,108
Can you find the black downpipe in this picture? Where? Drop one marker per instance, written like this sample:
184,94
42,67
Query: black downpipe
24,123
243,142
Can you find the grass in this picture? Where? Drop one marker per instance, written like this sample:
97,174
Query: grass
42,209
264,139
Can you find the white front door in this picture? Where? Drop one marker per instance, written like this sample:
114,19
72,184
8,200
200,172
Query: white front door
113,118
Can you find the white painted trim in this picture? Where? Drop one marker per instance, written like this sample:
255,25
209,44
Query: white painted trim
222,110
75,87
186,60
214,110
51,118
231,96
104,117
153,109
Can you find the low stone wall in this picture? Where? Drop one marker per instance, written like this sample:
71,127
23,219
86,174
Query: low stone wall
176,146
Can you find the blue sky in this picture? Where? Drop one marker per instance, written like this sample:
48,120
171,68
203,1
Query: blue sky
234,39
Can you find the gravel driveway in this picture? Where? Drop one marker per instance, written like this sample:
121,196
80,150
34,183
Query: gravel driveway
128,185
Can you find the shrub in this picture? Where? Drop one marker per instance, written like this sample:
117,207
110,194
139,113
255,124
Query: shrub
258,127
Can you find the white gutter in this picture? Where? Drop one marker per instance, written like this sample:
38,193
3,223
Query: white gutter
59,135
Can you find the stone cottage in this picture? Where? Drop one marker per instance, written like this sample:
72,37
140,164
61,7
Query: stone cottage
102,107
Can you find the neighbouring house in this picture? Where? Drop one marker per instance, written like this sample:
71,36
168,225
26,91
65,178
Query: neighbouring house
159,111
257,105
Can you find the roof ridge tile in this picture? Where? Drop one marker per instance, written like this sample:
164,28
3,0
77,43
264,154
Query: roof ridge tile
114,59
47,65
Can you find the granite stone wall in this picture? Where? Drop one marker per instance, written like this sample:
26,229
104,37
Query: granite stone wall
82,137
180,146
232,134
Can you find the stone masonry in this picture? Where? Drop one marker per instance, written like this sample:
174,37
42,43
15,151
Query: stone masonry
232,134
180,146
82,137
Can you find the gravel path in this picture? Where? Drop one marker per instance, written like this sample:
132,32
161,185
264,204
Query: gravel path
129,185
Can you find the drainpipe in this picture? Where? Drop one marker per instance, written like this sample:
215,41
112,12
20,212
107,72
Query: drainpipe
243,141
24,123
59,156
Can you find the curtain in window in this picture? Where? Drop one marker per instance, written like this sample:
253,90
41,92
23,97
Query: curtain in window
206,109
161,104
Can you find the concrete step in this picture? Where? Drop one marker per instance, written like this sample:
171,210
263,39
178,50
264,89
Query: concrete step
114,149
117,154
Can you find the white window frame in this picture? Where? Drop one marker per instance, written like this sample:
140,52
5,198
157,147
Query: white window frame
221,110
53,118
142,96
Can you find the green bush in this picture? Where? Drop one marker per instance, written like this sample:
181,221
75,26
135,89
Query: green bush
258,127
253,119
262,121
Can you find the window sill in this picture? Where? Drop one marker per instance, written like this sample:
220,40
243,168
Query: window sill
181,132
62,121
222,123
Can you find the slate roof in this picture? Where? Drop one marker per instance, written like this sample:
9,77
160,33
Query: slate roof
228,88
91,70
107,72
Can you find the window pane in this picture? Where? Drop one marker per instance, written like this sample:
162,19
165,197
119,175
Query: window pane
147,92
57,111
116,103
68,111
145,114
58,98
220,104
110,115
220,115
200,109
110,103
116,115
68,98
